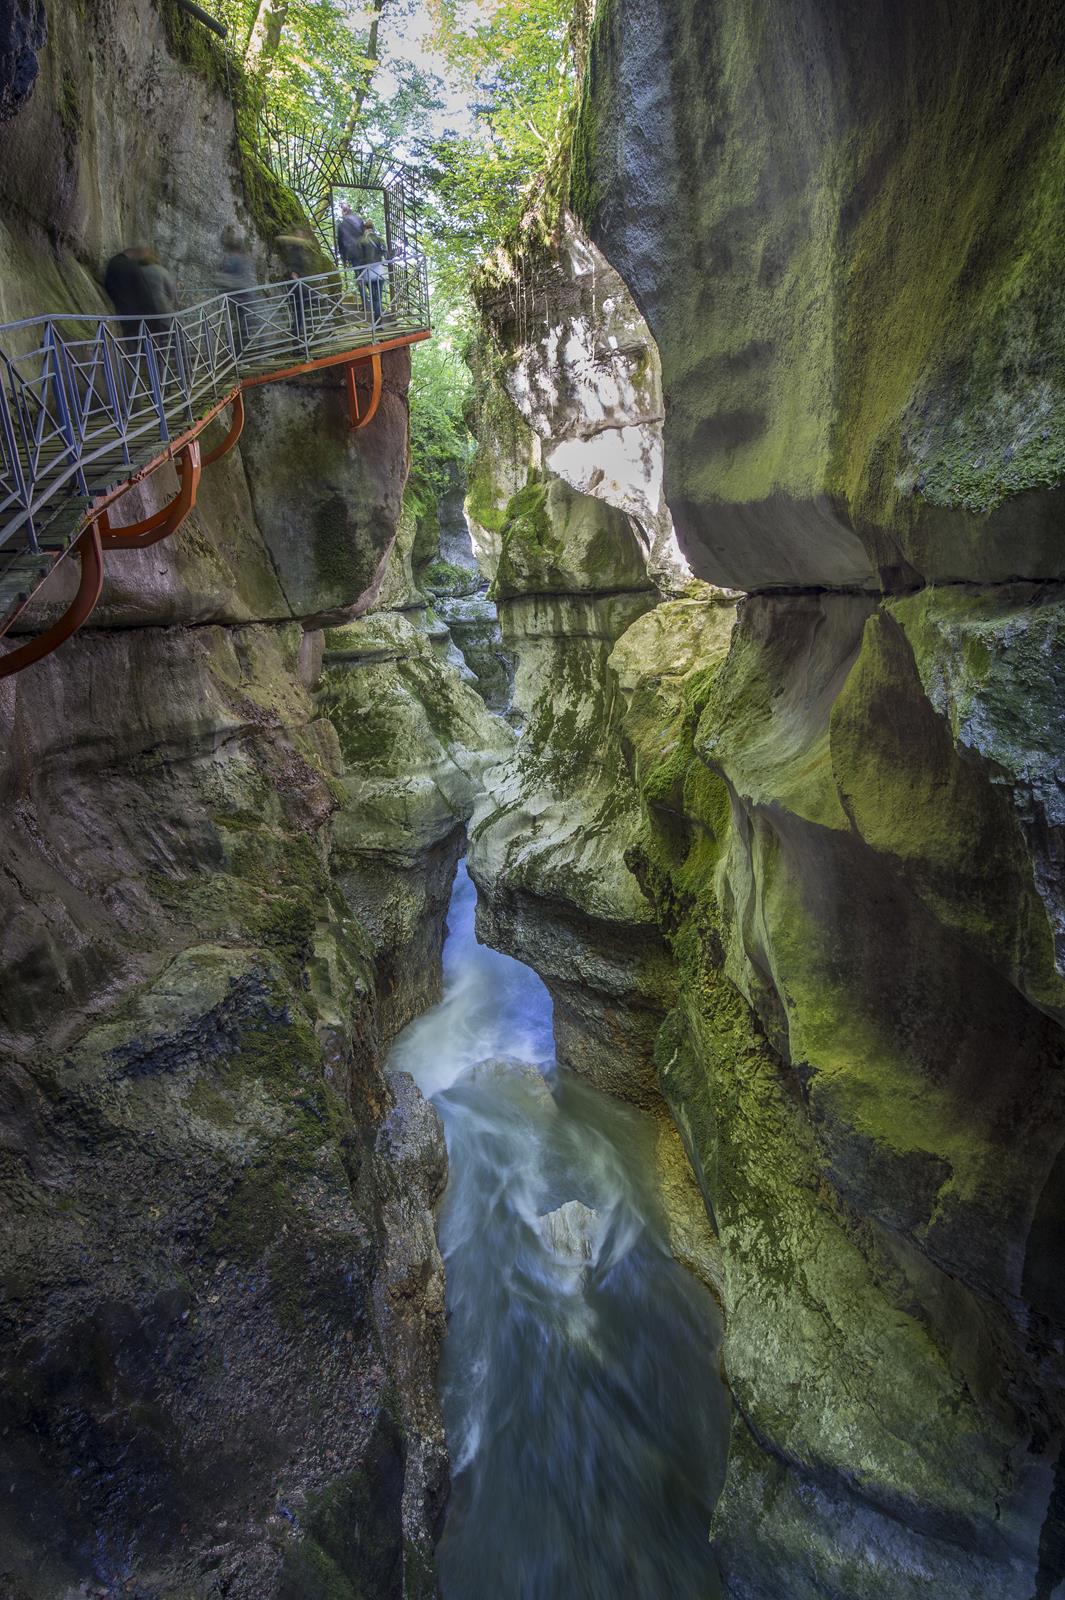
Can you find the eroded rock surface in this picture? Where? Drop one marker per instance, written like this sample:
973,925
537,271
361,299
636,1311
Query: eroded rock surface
862,378
842,806
223,882
571,1232
550,834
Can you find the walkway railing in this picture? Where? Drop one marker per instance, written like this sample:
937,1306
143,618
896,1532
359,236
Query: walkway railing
85,403
89,407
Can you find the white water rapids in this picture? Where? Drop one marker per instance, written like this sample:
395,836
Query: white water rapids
585,1416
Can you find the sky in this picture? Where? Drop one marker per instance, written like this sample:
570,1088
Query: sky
406,33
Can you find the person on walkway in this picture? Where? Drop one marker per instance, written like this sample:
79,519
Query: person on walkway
373,271
236,276
162,290
236,270
128,288
349,234
298,254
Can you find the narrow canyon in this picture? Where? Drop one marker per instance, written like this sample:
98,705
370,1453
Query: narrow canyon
532,993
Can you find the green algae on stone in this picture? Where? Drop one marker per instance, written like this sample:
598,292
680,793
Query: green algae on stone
914,792
556,540
842,1085
854,283
445,578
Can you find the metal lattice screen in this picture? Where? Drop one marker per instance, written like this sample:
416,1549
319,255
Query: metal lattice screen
314,162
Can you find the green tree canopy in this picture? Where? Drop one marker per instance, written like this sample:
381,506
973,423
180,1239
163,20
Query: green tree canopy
488,187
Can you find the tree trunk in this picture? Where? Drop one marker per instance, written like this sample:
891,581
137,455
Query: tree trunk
362,87
264,40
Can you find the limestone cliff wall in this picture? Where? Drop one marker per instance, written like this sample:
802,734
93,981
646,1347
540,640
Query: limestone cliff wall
844,239
572,386
842,805
222,1298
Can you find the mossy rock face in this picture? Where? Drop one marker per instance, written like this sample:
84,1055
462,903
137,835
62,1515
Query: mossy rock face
945,750
473,623
549,837
299,519
354,1546
220,1293
843,231
555,540
843,825
444,578
414,740
508,453
840,842
215,1264
579,367
329,503
25,35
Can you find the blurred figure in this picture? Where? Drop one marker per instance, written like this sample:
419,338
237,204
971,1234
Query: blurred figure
236,276
372,270
235,270
298,253
128,288
349,233
162,290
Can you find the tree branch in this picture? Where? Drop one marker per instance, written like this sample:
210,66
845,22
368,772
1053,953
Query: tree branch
264,40
362,87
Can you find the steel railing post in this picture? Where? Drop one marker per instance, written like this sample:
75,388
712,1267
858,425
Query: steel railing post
52,347
177,334
75,416
232,324
18,475
112,381
153,380
65,423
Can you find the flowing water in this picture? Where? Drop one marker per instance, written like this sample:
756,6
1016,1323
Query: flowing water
584,1413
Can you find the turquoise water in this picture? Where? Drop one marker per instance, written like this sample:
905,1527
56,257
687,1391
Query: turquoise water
579,1383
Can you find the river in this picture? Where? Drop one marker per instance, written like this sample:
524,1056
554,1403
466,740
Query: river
579,1382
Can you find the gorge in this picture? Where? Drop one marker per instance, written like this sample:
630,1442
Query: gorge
727,677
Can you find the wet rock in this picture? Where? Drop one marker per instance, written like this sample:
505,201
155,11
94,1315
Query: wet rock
840,806
776,274
692,1239
571,1232
529,1077
579,398
412,1161
222,1300
549,839
414,741
23,35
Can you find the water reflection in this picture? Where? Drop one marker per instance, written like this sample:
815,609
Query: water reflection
579,1383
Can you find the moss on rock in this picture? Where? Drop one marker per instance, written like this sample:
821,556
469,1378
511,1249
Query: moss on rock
853,281
555,540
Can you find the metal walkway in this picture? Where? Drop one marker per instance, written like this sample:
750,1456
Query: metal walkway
89,407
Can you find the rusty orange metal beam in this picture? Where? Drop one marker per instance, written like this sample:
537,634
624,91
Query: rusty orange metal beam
97,534
361,415
341,359
170,453
156,528
236,428
90,587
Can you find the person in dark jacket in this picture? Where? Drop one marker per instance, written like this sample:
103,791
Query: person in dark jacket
372,270
162,290
349,234
128,289
298,253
